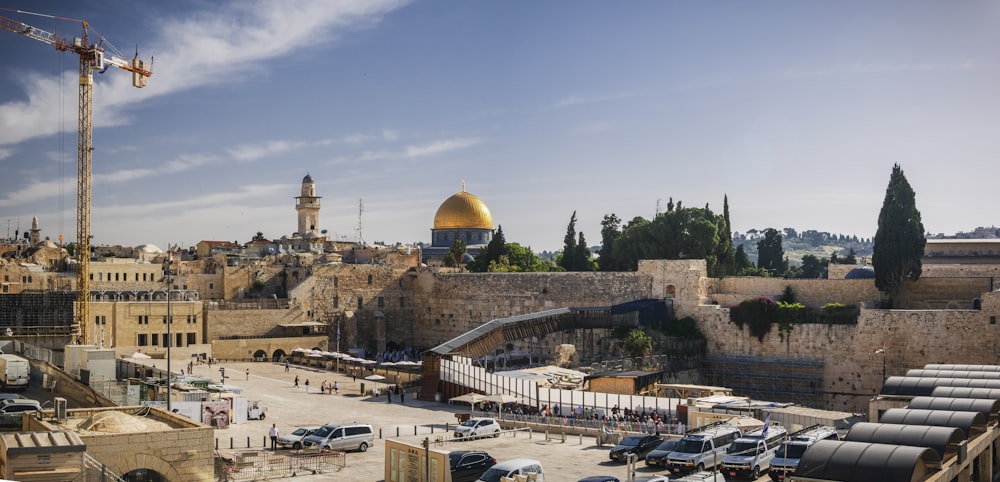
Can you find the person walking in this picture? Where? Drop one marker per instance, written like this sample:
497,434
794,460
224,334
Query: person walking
248,373
307,385
402,395
388,395
336,388
296,381
273,433
286,365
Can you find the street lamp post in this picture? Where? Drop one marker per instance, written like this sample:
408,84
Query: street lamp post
881,351
170,321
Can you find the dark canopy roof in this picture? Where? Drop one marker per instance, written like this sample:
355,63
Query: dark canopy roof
967,392
924,373
865,462
916,386
989,408
938,418
971,368
935,438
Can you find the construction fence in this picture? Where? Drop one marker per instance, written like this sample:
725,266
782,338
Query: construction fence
265,464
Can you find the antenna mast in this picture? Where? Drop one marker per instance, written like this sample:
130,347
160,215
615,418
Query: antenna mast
361,210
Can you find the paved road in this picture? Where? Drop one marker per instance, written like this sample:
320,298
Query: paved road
290,407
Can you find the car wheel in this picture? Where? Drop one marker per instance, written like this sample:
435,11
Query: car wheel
755,474
297,445
261,417
496,434
701,467
363,447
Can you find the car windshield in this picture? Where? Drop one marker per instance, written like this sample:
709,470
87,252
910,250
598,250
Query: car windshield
493,475
300,431
454,457
689,446
667,446
742,448
794,451
631,441
324,431
470,422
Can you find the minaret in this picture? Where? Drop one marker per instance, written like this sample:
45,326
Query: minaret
35,235
307,205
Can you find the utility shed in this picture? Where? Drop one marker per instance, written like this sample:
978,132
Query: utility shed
634,382
41,456
942,440
829,460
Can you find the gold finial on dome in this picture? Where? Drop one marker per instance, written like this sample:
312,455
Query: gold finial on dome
463,185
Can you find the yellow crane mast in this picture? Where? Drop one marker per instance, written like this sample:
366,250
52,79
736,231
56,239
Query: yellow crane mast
93,57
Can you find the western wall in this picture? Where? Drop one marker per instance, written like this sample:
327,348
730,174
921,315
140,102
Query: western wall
423,308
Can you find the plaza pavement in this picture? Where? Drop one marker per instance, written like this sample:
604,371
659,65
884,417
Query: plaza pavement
290,407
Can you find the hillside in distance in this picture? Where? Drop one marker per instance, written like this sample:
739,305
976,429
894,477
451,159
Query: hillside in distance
820,244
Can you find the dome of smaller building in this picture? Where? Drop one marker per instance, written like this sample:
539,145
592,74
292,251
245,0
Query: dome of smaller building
463,210
861,272
306,179
148,248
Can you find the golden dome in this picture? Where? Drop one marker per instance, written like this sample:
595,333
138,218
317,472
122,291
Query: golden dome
463,210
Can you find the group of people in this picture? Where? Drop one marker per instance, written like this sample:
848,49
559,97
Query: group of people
325,387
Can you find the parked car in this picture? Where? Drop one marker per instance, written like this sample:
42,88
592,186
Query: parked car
658,457
510,468
468,465
294,440
640,445
19,405
599,478
341,436
478,427
655,478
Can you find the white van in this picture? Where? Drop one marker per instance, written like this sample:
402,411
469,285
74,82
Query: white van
701,448
751,454
511,468
786,458
341,436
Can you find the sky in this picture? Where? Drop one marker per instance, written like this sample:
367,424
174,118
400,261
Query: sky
795,111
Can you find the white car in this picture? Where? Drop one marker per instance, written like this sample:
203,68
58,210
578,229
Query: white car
478,427
294,440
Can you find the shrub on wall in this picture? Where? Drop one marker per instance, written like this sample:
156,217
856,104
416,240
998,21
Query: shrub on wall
839,313
758,313
788,315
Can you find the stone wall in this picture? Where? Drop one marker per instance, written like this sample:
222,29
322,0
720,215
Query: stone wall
810,292
449,304
853,370
245,349
246,323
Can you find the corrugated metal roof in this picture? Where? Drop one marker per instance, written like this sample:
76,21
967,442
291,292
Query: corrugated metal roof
488,327
865,462
935,438
924,373
42,442
988,408
939,418
967,392
952,366
916,386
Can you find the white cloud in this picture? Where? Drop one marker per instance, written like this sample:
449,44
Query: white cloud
390,135
256,151
5,153
216,44
438,147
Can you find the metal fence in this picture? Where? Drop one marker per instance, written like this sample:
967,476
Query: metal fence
265,464
95,471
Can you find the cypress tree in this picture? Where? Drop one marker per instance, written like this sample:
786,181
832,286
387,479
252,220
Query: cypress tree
900,239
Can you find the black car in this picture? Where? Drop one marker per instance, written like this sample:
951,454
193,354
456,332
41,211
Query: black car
658,457
640,445
468,465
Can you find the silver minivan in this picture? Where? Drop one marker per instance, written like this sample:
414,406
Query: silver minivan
341,436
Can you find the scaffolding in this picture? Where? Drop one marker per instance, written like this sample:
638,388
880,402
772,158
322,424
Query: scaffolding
794,380
49,313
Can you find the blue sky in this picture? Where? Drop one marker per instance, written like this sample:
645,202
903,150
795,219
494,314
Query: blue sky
795,110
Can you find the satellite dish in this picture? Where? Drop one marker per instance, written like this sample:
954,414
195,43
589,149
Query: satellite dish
323,232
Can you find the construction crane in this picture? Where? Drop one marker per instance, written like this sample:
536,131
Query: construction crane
93,57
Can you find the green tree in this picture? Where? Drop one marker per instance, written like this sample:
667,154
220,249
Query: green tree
725,253
899,240
575,254
812,267
742,259
456,254
638,343
678,233
770,254
491,252
610,232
